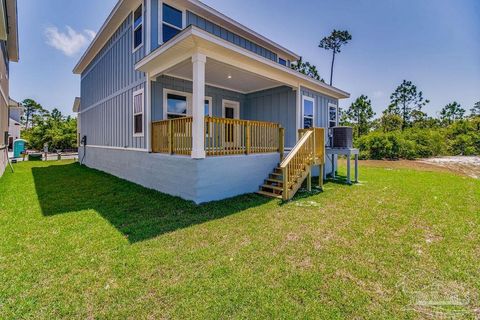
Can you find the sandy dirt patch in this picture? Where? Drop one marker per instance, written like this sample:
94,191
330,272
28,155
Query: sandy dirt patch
469,166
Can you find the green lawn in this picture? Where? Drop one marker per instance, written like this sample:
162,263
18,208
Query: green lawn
77,243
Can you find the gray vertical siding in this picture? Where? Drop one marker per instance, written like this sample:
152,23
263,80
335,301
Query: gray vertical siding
274,105
321,117
210,27
217,95
107,87
321,106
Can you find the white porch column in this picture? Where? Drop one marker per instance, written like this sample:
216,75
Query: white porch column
198,106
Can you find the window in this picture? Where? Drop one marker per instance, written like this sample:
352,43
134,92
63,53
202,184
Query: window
138,113
208,107
283,62
332,115
308,112
172,22
177,106
138,28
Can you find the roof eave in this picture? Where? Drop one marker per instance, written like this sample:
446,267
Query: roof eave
195,32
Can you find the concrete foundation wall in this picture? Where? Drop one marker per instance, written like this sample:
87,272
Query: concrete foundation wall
3,161
196,180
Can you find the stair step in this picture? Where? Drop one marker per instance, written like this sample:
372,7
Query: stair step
274,181
267,186
269,194
276,174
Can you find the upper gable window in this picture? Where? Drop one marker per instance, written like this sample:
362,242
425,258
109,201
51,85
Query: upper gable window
172,22
138,27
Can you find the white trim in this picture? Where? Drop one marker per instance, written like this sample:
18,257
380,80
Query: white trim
250,32
161,22
116,148
135,49
148,117
298,114
307,98
178,93
188,95
236,108
113,95
210,106
135,94
148,35
227,88
332,106
122,9
193,31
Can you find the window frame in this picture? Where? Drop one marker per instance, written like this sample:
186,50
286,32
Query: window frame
141,25
332,106
286,62
303,111
135,94
161,22
188,95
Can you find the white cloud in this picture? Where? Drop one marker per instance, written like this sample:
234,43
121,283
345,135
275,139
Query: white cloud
69,42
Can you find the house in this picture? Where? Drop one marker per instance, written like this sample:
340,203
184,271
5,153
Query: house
14,122
8,53
178,97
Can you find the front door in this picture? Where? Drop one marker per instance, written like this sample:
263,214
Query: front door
231,110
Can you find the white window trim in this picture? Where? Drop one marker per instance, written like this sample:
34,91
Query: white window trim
136,93
188,95
332,106
133,28
160,18
237,108
210,105
303,110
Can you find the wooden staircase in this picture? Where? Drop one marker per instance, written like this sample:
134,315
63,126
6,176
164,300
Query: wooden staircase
287,178
273,186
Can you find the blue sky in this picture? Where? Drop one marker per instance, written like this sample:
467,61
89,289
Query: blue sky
434,43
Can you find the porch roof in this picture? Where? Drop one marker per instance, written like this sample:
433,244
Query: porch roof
175,54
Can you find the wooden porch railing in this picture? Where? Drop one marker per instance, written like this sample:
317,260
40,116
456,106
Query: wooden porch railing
222,137
233,136
172,136
309,150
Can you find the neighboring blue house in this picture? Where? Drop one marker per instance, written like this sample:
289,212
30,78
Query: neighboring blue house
177,97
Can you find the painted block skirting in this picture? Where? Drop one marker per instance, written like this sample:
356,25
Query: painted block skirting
205,180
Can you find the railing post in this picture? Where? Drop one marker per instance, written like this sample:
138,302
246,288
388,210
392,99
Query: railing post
247,138
170,137
285,183
281,142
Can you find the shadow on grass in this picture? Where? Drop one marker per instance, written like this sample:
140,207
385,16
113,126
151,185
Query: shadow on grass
138,213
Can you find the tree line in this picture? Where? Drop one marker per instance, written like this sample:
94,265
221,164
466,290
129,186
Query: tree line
404,130
52,128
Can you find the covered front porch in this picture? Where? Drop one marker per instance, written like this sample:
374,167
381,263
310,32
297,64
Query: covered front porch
208,97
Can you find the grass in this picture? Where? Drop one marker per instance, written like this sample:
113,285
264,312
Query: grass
77,243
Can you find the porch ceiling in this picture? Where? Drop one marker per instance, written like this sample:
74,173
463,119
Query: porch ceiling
222,75
178,50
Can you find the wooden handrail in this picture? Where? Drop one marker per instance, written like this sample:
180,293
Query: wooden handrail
173,136
222,136
309,150
296,149
234,136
